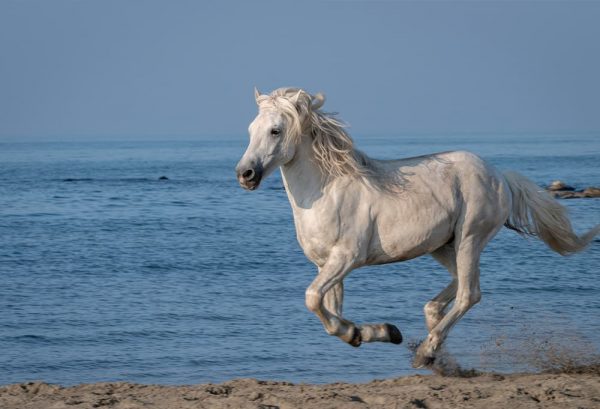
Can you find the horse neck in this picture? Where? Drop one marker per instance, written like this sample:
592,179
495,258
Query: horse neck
303,178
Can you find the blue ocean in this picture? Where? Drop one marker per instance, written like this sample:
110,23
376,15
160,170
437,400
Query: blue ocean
110,273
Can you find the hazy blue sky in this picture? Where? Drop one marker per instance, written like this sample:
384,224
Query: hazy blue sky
121,69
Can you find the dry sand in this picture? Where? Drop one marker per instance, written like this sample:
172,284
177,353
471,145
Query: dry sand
489,391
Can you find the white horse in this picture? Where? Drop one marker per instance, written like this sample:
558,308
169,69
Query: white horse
351,211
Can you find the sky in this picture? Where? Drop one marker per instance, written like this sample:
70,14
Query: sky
81,69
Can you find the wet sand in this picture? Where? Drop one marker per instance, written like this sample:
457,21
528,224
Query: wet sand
433,391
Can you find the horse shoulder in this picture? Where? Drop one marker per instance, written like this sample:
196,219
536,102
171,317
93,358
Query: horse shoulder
339,218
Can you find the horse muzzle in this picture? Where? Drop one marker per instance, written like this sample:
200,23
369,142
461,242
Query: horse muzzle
250,178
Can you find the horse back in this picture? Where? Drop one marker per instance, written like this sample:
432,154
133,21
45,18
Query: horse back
428,197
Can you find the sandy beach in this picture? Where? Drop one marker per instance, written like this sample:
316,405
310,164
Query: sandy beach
433,391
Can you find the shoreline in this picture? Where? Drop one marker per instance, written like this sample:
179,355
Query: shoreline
487,390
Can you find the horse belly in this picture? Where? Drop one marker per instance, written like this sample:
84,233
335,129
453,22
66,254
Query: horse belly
405,235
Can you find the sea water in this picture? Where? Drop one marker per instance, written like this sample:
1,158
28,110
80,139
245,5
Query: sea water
108,273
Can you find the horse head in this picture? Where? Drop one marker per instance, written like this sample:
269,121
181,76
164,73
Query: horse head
275,132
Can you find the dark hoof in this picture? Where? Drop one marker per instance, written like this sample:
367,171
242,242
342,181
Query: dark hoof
356,338
394,333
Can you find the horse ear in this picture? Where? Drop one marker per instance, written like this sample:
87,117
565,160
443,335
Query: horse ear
317,100
296,98
256,94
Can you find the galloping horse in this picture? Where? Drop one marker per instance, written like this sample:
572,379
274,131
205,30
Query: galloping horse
351,211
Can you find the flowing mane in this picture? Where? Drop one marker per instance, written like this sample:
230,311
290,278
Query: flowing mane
333,147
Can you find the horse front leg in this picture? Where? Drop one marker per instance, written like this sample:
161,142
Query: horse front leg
325,298
467,295
333,302
331,316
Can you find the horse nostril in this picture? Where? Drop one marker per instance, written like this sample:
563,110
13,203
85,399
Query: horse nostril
248,175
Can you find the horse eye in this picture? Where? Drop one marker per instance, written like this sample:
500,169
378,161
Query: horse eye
275,131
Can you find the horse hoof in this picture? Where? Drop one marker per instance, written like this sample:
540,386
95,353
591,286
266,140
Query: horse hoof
394,333
423,362
356,338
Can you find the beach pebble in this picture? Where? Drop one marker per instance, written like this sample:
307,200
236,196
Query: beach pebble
255,396
218,390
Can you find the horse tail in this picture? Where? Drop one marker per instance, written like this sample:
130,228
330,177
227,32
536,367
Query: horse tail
535,213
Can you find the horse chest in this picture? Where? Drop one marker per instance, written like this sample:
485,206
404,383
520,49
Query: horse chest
317,232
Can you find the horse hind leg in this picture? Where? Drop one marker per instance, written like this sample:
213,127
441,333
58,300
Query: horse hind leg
434,309
467,295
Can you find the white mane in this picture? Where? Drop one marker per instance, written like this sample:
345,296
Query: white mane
333,147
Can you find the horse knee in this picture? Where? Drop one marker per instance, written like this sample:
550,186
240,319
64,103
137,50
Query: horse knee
313,300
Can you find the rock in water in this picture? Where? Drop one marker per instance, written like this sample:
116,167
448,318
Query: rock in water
561,190
559,185
591,191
